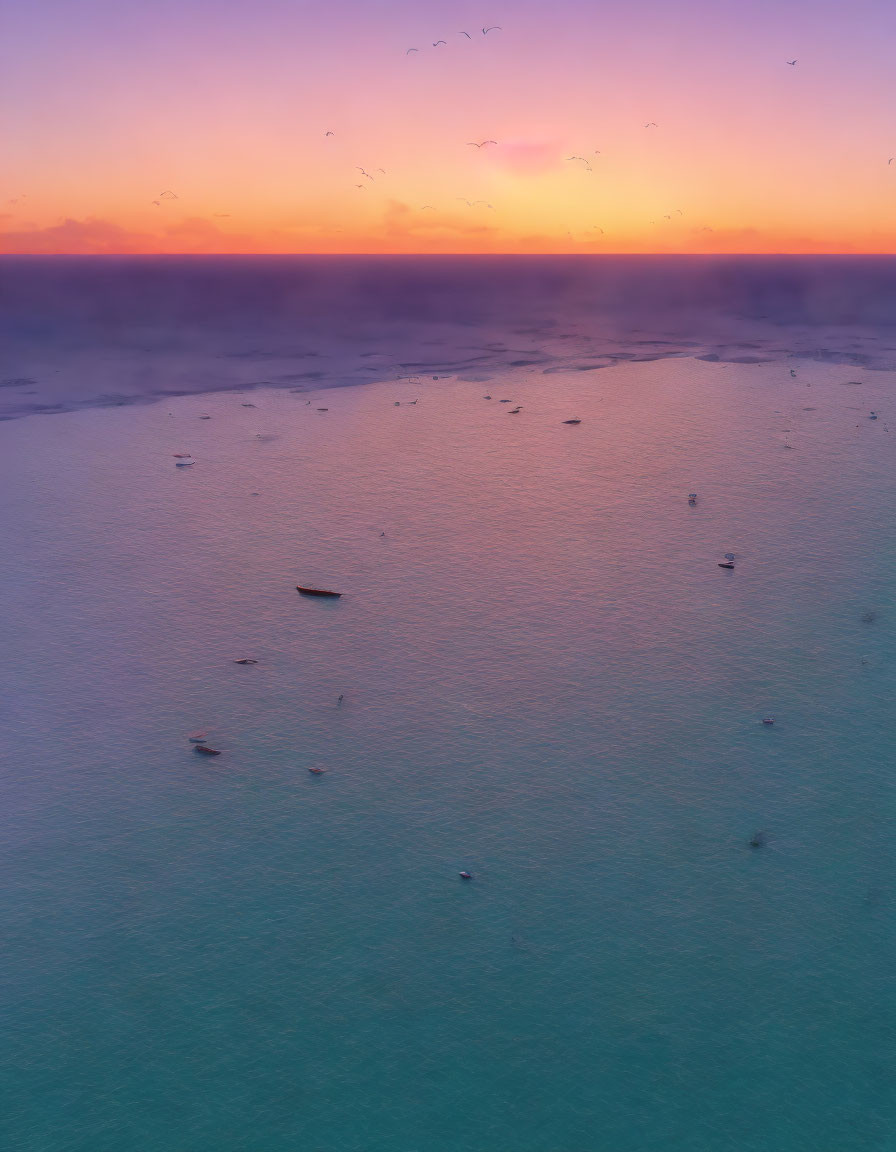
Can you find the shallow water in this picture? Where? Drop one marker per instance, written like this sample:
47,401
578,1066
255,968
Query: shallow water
547,680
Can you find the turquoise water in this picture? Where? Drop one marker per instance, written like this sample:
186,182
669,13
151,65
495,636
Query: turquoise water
547,680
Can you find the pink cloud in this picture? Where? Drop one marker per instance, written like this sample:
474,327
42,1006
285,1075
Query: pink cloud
76,237
528,157
94,236
401,220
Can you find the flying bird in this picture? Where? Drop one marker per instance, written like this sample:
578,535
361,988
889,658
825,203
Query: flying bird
667,217
791,62
158,203
469,203
168,195
582,158
429,206
361,186
597,229
329,133
679,211
494,28
438,42
473,144
383,170
467,34
363,173
652,124
410,50
890,161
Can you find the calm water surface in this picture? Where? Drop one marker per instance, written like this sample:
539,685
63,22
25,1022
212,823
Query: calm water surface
547,680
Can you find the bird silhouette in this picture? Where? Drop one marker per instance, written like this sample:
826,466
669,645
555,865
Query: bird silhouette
429,206
329,133
438,42
410,50
791,63
169,195
467,34
473,144
494,28
652,124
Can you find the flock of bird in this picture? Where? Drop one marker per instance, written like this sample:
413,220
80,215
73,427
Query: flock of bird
440,43
479,145
585,162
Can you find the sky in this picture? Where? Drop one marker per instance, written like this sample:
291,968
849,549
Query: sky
106,104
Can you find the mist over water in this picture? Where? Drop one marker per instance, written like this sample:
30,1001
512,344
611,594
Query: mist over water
83,331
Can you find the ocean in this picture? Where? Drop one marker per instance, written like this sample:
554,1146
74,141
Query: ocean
537,673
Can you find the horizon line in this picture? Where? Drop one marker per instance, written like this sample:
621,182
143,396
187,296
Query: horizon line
415,255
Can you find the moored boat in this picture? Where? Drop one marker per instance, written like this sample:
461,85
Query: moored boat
317,592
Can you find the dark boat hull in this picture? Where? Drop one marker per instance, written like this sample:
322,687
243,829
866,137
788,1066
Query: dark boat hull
317,592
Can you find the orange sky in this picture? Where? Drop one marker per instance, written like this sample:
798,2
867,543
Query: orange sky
227,106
